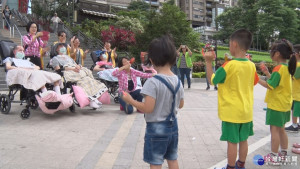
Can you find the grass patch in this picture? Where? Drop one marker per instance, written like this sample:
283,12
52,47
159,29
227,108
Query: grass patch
264,56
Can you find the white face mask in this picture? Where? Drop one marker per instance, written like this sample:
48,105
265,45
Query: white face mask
104,56
63,50
20,55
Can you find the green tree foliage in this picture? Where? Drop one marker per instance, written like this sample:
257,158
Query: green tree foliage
138,5
40,11
268,20
138,14
170,20
131,24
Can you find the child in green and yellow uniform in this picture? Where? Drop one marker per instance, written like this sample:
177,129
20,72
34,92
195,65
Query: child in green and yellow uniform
279,96
296,94
236,79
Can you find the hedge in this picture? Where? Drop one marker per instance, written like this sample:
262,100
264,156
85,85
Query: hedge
199,75
250,51
200,66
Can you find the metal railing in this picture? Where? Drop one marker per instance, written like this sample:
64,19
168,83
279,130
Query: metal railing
9,27
22,18
12,27
91,43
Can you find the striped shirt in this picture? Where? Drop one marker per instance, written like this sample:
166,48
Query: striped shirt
182,62
33,48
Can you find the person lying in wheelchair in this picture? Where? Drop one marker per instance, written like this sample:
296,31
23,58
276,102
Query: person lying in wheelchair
104,68
27,74
80,75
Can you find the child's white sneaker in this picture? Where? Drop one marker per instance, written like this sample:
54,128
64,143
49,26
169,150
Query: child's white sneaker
93,104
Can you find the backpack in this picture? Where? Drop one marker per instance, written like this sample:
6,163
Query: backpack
29,37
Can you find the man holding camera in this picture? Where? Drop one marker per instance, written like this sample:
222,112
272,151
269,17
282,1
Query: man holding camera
184,63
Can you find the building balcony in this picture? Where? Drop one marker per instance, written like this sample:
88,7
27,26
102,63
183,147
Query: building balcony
208,6
153,3
208,12
208,19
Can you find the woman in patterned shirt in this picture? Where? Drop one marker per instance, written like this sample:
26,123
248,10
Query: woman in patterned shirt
33,43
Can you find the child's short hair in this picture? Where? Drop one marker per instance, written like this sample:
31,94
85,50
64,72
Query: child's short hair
120,63
243,37
297,48
162,51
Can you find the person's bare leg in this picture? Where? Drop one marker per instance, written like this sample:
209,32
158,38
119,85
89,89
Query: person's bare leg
155,166
231,153
283,139
243,151
173,164
275,138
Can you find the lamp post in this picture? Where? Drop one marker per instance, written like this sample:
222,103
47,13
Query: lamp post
216,40
68,11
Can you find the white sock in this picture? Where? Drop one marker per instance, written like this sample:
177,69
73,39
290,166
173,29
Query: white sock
44,89
57,89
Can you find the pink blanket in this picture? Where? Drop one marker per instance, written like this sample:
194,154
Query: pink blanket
65,100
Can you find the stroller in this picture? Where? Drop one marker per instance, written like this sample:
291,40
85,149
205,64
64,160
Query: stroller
26,95
105,75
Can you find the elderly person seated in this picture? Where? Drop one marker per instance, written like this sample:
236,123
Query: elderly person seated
27,74
105,68
81,75
102,63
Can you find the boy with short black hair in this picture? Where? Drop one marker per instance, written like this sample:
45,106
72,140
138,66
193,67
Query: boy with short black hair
236,79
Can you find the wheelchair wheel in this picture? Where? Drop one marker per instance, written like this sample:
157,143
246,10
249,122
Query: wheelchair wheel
72,108
25,114
116,99
33,103
11,95
5,104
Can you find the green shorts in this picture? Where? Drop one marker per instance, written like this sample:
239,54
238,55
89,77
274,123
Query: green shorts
296,108
236,132
277,118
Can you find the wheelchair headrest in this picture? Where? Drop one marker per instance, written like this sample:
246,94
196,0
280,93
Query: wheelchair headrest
96,54
6,47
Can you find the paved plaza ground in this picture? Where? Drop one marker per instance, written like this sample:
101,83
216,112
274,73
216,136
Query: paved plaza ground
108,138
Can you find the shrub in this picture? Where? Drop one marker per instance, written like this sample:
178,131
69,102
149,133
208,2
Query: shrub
118,37
199,75
198,66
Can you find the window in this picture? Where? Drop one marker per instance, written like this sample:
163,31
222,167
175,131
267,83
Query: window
196,2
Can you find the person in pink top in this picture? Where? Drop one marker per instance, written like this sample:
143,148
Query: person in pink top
32,43
127,78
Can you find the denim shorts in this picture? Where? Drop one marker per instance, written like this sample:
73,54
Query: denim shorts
161,142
